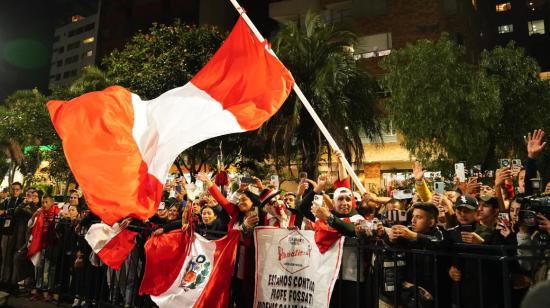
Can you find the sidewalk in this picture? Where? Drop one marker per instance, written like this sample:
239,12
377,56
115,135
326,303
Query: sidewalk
25,302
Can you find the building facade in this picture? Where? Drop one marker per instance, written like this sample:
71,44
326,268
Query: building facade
121,19
526,22
384,25
74,48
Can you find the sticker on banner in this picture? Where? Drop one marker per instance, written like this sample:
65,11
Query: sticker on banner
294,252
196,272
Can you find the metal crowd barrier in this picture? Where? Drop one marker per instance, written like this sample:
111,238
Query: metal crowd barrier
371,274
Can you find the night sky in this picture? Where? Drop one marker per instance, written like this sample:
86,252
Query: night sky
26,37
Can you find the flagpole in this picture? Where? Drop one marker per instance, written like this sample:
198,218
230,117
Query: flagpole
305,102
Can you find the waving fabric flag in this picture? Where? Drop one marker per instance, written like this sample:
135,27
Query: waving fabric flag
199,275
112,244
43,224
120,148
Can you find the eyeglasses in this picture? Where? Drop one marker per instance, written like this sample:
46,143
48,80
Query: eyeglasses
73,197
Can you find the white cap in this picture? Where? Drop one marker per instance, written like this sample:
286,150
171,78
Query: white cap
341,191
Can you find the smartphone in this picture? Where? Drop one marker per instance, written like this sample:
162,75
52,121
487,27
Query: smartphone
504,163
247,180
162,205
402,194
366,225
439,187
256,211
504,218
178,188
517,162
303,176
466,228
460,172
275,181
318,200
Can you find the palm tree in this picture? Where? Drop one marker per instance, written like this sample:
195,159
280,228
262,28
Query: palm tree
340,91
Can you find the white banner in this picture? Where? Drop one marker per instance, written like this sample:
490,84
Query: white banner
290,270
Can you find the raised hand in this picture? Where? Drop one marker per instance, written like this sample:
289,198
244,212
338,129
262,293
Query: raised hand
502,175
322,181
473,186
455,274
258,183
203,177
418,171
534,143
125,223
302,187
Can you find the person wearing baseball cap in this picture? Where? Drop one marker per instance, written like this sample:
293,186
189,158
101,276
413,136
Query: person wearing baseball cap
464,272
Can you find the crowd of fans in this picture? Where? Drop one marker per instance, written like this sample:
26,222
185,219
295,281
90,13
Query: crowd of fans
466,217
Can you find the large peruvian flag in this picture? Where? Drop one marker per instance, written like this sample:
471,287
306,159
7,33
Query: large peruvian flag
184,269
120,148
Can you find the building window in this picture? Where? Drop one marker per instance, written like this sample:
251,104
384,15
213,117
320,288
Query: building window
89,27
534,5
77,18
389,129
74,45
371,46
536,27
340,15
69,74
72,59
503,7
88,53
505,29
88,40
59,63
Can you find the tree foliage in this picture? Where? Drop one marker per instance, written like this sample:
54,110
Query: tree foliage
451,110
165,57
25,124
341,93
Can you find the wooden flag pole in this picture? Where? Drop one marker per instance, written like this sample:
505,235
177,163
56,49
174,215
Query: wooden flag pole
305,102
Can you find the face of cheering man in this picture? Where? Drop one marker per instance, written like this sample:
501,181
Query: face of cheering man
465,216
422,221
47,203
16,190
343,203
290,201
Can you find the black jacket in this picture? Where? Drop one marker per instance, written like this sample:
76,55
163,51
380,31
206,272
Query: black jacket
339,224
421,268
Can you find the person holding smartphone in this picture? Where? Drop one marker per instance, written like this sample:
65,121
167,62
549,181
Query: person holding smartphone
244,215
464,272
422,234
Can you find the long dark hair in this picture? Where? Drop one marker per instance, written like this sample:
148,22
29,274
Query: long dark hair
255,203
